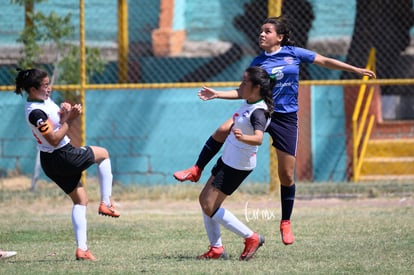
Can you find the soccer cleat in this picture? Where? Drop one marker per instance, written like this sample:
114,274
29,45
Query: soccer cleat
84,255
192,174
214,253
7,254
251,245
105,210
286,232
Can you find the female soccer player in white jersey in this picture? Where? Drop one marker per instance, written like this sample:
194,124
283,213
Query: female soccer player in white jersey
60,161
281,59
249,123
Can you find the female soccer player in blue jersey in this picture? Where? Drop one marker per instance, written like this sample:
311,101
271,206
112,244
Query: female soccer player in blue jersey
249,123
60,161
281,59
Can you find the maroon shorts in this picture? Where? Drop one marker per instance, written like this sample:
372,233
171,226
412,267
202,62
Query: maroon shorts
284,132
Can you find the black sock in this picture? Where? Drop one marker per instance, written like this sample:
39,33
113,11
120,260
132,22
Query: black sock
287,196
210,149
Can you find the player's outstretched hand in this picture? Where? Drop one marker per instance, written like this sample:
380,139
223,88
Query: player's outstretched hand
207,93
366,72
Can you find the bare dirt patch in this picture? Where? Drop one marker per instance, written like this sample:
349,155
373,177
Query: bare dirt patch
170,204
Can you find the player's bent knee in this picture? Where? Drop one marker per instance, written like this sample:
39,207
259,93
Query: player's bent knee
286,179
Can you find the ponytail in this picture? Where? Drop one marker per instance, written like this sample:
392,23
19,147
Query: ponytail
27,79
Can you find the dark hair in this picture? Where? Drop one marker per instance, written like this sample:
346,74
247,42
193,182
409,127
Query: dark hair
29,78
259,76
282,26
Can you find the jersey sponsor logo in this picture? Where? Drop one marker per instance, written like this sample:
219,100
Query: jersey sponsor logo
287,84
277,71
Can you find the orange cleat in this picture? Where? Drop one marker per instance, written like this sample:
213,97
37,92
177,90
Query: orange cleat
214,253
251,245
110,211
192,174
286,232
84,255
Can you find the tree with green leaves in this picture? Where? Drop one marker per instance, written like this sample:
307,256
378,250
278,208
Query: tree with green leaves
57,32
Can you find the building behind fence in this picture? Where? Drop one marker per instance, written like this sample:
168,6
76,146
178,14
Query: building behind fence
143,107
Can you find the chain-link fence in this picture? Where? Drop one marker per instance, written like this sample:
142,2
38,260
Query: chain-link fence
145,60
170,41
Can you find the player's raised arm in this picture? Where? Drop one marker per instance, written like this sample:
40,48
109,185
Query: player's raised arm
207,93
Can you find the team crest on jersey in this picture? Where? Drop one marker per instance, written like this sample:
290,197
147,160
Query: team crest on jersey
277,71
246,113
288,60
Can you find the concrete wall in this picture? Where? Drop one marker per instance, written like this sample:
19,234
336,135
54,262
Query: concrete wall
149,133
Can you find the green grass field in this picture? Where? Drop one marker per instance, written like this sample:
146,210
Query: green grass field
339,228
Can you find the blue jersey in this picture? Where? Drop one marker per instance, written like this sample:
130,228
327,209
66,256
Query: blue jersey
284,64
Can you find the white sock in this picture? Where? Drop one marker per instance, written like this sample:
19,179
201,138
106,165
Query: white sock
105,180
213,231
229,221
80,225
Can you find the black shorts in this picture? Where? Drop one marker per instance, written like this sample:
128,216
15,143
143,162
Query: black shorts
65,165
226,178
283,129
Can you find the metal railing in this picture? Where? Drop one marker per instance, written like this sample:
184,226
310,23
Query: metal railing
360,130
